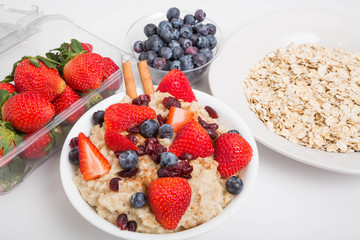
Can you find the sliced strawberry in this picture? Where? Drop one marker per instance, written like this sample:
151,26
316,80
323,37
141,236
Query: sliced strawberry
123,116
178,117
176,83
92,163
193,139
117,142
169,198
233,153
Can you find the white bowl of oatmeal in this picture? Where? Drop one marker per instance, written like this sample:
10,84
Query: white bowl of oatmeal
215,207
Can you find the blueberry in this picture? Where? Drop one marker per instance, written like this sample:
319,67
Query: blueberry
149,56
234,185
173,43
211,28
202,42
175,65
138,46
212,41
150,29
172,13
199,59
177,53
200,15
168,159
234,131
166,131
185,43
98,117
128,160
186,62
165,52
163,25
74,156
154,43
177,22
149,128
186,31
138,200
194,38
159,63
191,51
189,19
169,34
207,52
201,29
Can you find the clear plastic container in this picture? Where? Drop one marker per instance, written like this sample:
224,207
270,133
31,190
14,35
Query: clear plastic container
29,33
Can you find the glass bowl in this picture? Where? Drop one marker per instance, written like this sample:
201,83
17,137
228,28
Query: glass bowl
136,33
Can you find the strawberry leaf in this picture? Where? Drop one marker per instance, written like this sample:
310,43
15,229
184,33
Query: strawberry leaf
34,61
46,61
12,174
76,46
9,138
4,96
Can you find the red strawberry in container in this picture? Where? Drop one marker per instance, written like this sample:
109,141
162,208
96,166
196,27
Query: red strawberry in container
37,75
8,87
39,148
233,153
110,68
27,111
65,100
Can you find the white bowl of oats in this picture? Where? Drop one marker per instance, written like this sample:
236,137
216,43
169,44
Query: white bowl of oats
211,204
296,81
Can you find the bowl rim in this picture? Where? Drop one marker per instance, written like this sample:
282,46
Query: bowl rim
219,36
87,212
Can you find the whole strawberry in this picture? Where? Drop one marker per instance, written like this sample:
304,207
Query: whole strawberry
32,75
169,198
115,141
65,100
39,148
110,68
233,153
193,139
8,87
27,111
177,84
85,71
123,116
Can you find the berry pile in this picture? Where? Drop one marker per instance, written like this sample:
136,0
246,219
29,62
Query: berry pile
178,43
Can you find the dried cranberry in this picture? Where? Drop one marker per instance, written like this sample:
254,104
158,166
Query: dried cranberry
151,140
122,221
212,113
74,142
135,129
150,145
117,154
141,150
180,169
132,138
186,156
169,102
209,128
142,100
131,225
128,174
114,184
212,133
160,119
155,155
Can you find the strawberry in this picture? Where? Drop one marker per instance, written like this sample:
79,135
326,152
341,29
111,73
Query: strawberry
65,100
92,163
110,68
178,117
123,116
37,149
87,47
117,142
27,111
8,87
233,153
84,71
169,198
177,84
9,138
42,77
193,139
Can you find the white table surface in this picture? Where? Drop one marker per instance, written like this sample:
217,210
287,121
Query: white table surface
291,200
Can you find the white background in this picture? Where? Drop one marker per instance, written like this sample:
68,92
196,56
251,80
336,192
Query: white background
290,201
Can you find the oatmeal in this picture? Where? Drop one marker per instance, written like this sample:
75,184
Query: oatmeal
208,192
310,95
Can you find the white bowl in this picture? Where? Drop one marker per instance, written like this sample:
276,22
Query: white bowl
228,118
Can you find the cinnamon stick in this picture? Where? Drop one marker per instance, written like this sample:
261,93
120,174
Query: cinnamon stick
129,80
145,77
